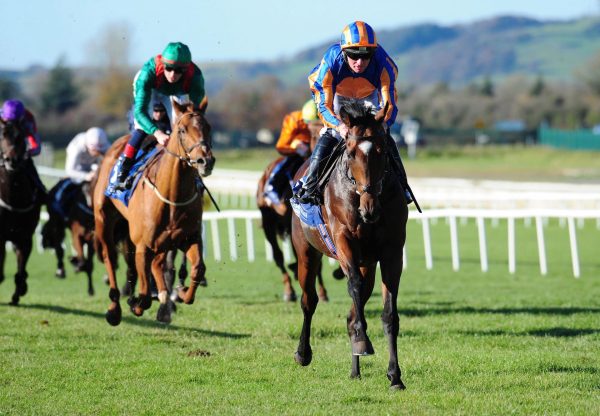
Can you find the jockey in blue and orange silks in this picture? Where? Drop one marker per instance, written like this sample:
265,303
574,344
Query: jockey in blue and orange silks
357,68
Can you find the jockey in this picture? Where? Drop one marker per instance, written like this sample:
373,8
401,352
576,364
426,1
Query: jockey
14,111
357,68
294,144
84,154
171,74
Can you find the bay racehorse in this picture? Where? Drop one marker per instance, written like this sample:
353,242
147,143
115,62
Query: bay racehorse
20,204
164,212
365,214
72,211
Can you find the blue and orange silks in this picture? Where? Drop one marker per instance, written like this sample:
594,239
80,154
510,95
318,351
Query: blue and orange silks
333,77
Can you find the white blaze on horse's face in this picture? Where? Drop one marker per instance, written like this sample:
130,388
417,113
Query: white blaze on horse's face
365,147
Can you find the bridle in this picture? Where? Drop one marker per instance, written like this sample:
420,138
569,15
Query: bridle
188,150
9,163
376,188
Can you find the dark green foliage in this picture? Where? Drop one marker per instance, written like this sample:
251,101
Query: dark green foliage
60,93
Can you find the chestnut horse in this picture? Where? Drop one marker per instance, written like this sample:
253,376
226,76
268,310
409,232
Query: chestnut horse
19,204
365,214
78,217
164,212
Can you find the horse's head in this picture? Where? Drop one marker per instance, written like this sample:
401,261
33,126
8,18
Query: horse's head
13,148
366,156
193,141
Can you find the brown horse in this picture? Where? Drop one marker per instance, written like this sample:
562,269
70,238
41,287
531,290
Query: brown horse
277,222
77,215
365,214
164,212
19,204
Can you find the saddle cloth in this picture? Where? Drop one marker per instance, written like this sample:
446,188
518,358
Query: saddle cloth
123,195
311,215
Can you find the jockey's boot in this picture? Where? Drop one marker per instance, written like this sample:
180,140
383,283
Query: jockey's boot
399,169
124,167
309,193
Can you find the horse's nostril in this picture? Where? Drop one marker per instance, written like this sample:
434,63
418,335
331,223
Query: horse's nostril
202,161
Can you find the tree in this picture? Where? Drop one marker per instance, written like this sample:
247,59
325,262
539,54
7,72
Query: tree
60,93
589,74
8,89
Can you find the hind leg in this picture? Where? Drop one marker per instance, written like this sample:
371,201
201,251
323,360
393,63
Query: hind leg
308,261
198,271
89,265
322,291
104,231
269,222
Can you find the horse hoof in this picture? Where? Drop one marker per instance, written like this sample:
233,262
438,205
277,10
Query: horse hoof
137,310
303,361
399,386
21,289
362,348
113,316
324,297
14,301
91,292
203,282
289,297
338,274
60,273
164,313
105,279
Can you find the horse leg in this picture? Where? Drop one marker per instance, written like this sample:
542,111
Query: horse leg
128,251
197,273
182,274
308,262
104,232
390,273
163,285
270,228
322,291
23,252
89,265
143,258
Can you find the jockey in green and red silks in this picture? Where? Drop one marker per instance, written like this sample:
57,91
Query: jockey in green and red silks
170,75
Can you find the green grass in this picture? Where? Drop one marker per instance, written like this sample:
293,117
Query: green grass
471,342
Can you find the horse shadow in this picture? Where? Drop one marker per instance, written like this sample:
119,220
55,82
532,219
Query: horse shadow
418,312
135,321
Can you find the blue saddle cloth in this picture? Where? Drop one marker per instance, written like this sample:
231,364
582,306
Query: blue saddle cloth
65,191
141,157
311,215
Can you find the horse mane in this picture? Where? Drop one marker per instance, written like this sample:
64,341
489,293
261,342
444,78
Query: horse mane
357,112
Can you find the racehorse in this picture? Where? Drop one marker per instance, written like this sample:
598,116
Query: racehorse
164,212
277,222
365,214
20,204
76,215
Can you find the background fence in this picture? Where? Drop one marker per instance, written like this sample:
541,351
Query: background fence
485,202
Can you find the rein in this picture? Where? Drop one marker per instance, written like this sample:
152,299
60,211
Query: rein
14,209
188,159
165,200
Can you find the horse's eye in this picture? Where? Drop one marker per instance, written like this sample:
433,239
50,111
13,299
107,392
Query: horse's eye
181,130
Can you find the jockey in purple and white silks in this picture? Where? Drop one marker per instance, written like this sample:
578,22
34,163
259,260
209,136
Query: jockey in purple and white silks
357,68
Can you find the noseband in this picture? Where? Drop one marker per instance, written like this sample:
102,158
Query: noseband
376,188
188,150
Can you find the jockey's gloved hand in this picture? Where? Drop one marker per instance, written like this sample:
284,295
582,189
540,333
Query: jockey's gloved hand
302,150
161,137
342,129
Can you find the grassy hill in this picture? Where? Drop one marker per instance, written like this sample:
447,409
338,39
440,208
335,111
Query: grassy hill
459,54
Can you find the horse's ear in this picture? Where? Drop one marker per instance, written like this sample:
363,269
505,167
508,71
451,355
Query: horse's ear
203,105
180,109
345,117
380,115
